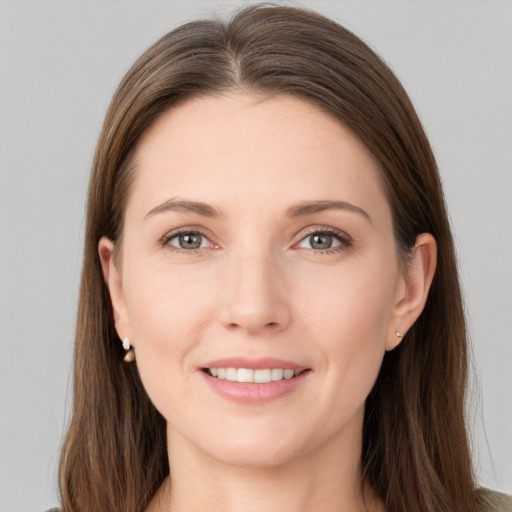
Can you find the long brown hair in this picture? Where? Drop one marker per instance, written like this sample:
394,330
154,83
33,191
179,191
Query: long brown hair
415,449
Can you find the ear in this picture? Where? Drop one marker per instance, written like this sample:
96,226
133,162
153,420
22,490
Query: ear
413,290
113,280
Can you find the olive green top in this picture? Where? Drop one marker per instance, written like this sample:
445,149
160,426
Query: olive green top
496,501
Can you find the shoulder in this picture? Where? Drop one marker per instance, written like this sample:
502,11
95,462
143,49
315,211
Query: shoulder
493,501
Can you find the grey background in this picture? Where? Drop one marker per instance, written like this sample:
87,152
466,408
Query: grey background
59,65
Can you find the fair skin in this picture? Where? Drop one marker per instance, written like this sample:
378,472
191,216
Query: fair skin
253,275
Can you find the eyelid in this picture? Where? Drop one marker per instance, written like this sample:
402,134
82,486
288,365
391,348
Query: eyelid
164,241
344,239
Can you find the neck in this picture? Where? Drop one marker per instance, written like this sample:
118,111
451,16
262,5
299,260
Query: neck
324,481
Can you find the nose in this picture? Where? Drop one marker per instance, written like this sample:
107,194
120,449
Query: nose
253,296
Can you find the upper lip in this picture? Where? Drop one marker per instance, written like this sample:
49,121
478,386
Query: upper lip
254,364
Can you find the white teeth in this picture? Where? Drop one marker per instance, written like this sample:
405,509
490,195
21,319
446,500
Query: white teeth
277,374
262,376
231,374
245,375
253,376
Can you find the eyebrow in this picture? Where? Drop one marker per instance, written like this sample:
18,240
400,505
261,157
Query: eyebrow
311,207
302,209
181,205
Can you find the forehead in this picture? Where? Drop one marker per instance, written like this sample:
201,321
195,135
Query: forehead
241,148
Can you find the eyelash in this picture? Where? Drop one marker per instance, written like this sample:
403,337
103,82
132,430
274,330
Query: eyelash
167,238
345,240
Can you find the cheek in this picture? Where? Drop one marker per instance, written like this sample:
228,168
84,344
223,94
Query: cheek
168,311
348,319
352,303
166,304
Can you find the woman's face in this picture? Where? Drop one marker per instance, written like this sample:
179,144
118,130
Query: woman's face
257,237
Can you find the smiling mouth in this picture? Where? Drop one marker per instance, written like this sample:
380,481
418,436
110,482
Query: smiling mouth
249,375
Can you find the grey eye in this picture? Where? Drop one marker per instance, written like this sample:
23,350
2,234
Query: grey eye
188,241
320,241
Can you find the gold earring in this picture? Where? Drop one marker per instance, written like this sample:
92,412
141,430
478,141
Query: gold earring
398,334
129,357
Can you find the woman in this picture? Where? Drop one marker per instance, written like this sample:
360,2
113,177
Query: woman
270,310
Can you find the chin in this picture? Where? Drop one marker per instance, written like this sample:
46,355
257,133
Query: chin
252,448
255,455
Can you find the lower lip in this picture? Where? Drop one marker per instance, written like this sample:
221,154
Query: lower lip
252,393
